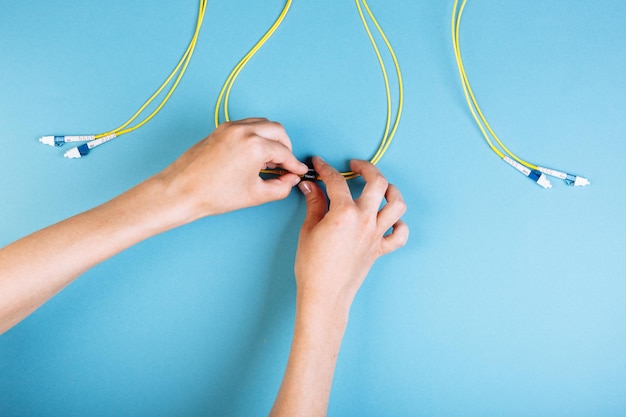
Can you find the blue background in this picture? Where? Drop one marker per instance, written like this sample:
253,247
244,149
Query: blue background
508,300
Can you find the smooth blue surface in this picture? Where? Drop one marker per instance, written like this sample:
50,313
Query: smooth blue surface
508,300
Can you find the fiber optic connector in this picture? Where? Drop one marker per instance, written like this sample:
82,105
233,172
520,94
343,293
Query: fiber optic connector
62,140
82,150
570,179
537,176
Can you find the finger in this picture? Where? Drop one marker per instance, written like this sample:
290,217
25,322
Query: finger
270,130
393,210
277,188
316,204
336,185
276,154
375,184
396,239
251,120
243,122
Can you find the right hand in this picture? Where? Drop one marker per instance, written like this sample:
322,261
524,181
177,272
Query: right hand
221,172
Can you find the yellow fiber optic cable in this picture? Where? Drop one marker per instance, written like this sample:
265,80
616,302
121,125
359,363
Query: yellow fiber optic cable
469,94
389,135
389,131
184,62
176,75
535,172
230,80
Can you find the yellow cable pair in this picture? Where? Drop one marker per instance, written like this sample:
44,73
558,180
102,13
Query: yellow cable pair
535,172
475,109
390,130
180,69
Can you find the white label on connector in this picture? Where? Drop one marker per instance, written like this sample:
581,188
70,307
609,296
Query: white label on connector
78,138
101,140
553,172
521,168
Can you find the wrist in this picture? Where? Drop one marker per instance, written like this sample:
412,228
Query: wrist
152,207
174,205
328,307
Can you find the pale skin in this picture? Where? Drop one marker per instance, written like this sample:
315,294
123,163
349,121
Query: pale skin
336,249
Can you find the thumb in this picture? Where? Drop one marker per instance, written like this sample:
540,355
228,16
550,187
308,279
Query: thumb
316,204
277,188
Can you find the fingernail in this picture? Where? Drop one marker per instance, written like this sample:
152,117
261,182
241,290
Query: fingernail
296,180
305,187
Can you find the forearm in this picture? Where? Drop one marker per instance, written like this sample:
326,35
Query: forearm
339,242
216,175
319,329
36,267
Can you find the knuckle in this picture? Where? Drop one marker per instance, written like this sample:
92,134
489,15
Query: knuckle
347,213
231,130
404,233
379,181
395,196
327,173
254,144
276,125
400,205
229,125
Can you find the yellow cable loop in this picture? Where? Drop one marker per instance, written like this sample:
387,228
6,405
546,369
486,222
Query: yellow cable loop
184,62
389,130
455,41
385,143
230,80
385,76
469,94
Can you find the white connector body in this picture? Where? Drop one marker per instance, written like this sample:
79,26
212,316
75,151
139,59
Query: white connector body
62,139
82,150
570,179
533,174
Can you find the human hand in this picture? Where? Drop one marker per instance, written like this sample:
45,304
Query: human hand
338,246
221,172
